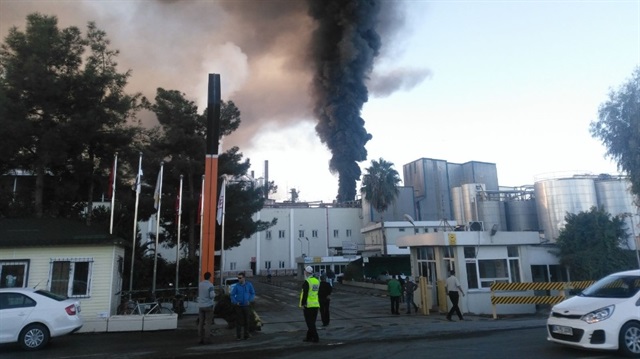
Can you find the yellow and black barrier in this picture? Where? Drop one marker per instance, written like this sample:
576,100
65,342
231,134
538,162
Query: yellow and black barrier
562,287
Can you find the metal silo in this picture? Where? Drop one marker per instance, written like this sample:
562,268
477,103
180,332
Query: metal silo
521,215
556,197
615,197
492,213
458,205
613,194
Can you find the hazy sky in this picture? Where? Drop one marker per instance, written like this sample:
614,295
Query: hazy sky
514,83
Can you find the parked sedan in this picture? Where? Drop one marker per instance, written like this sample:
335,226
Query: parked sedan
31,317
606,315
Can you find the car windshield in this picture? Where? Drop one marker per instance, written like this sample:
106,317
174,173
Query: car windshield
48,294
614,286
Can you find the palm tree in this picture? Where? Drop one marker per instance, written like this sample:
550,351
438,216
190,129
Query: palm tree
380,188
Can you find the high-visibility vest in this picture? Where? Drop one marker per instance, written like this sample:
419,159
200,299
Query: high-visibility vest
312,296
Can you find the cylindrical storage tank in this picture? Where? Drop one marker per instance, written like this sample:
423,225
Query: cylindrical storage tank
490,213
615,197
469,208
556,197
521,215
458,206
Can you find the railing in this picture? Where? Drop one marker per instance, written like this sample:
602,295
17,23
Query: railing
562,287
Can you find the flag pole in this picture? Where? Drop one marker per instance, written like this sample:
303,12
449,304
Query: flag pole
157,196
222,204
200,219
135,222
178,240
113,190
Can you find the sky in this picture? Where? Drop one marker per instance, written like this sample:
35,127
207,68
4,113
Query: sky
515,83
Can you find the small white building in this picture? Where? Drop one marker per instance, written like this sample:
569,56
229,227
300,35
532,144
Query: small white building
480,258
67,258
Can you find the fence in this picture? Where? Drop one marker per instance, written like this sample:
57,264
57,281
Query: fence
562,287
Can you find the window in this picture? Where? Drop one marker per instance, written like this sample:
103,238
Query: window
281,233
401,229
301,233
336,233
314,233
267,265
15,300
348,233
268,234
13,273
481,273
281,264
71,277
233,266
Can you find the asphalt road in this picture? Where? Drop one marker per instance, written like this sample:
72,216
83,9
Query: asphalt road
361,327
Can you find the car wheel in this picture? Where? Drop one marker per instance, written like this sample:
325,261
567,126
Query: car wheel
34,337
630,340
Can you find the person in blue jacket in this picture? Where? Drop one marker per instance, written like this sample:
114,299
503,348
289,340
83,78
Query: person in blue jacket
242,295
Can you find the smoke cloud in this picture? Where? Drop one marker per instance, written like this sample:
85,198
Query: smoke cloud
281,61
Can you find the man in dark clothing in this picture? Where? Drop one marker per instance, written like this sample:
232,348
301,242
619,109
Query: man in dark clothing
323,295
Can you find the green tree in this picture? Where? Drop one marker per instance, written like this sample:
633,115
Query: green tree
618,127
590,245
38,70
66,112
380,189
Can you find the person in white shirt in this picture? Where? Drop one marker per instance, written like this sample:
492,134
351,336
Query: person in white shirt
453,287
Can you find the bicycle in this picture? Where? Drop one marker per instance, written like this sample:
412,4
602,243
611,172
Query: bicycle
133,307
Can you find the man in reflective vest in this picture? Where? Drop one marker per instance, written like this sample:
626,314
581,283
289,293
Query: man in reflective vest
310,303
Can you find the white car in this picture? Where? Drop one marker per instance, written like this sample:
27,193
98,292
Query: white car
31,317
606,316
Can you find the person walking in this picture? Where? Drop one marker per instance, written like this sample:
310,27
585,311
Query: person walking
453,288
331,276
310,303
409,287
394,288
206,294
242,294
323,295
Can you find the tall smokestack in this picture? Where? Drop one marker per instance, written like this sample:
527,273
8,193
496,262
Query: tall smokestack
343,47
210,190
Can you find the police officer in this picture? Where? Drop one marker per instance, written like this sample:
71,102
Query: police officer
310,304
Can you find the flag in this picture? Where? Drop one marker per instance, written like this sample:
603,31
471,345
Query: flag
178,204
138,186
157,194
112,175
199,209
221,202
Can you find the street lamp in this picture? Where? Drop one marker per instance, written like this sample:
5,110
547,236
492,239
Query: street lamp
299,240
308,246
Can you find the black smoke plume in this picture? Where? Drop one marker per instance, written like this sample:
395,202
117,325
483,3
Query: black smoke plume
343,47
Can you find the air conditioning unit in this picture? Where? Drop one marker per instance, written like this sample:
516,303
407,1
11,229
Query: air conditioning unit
476,226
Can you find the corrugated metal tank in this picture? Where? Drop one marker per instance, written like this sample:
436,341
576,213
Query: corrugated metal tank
458,205
490,213
556,197
521,215
469,193
614,196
